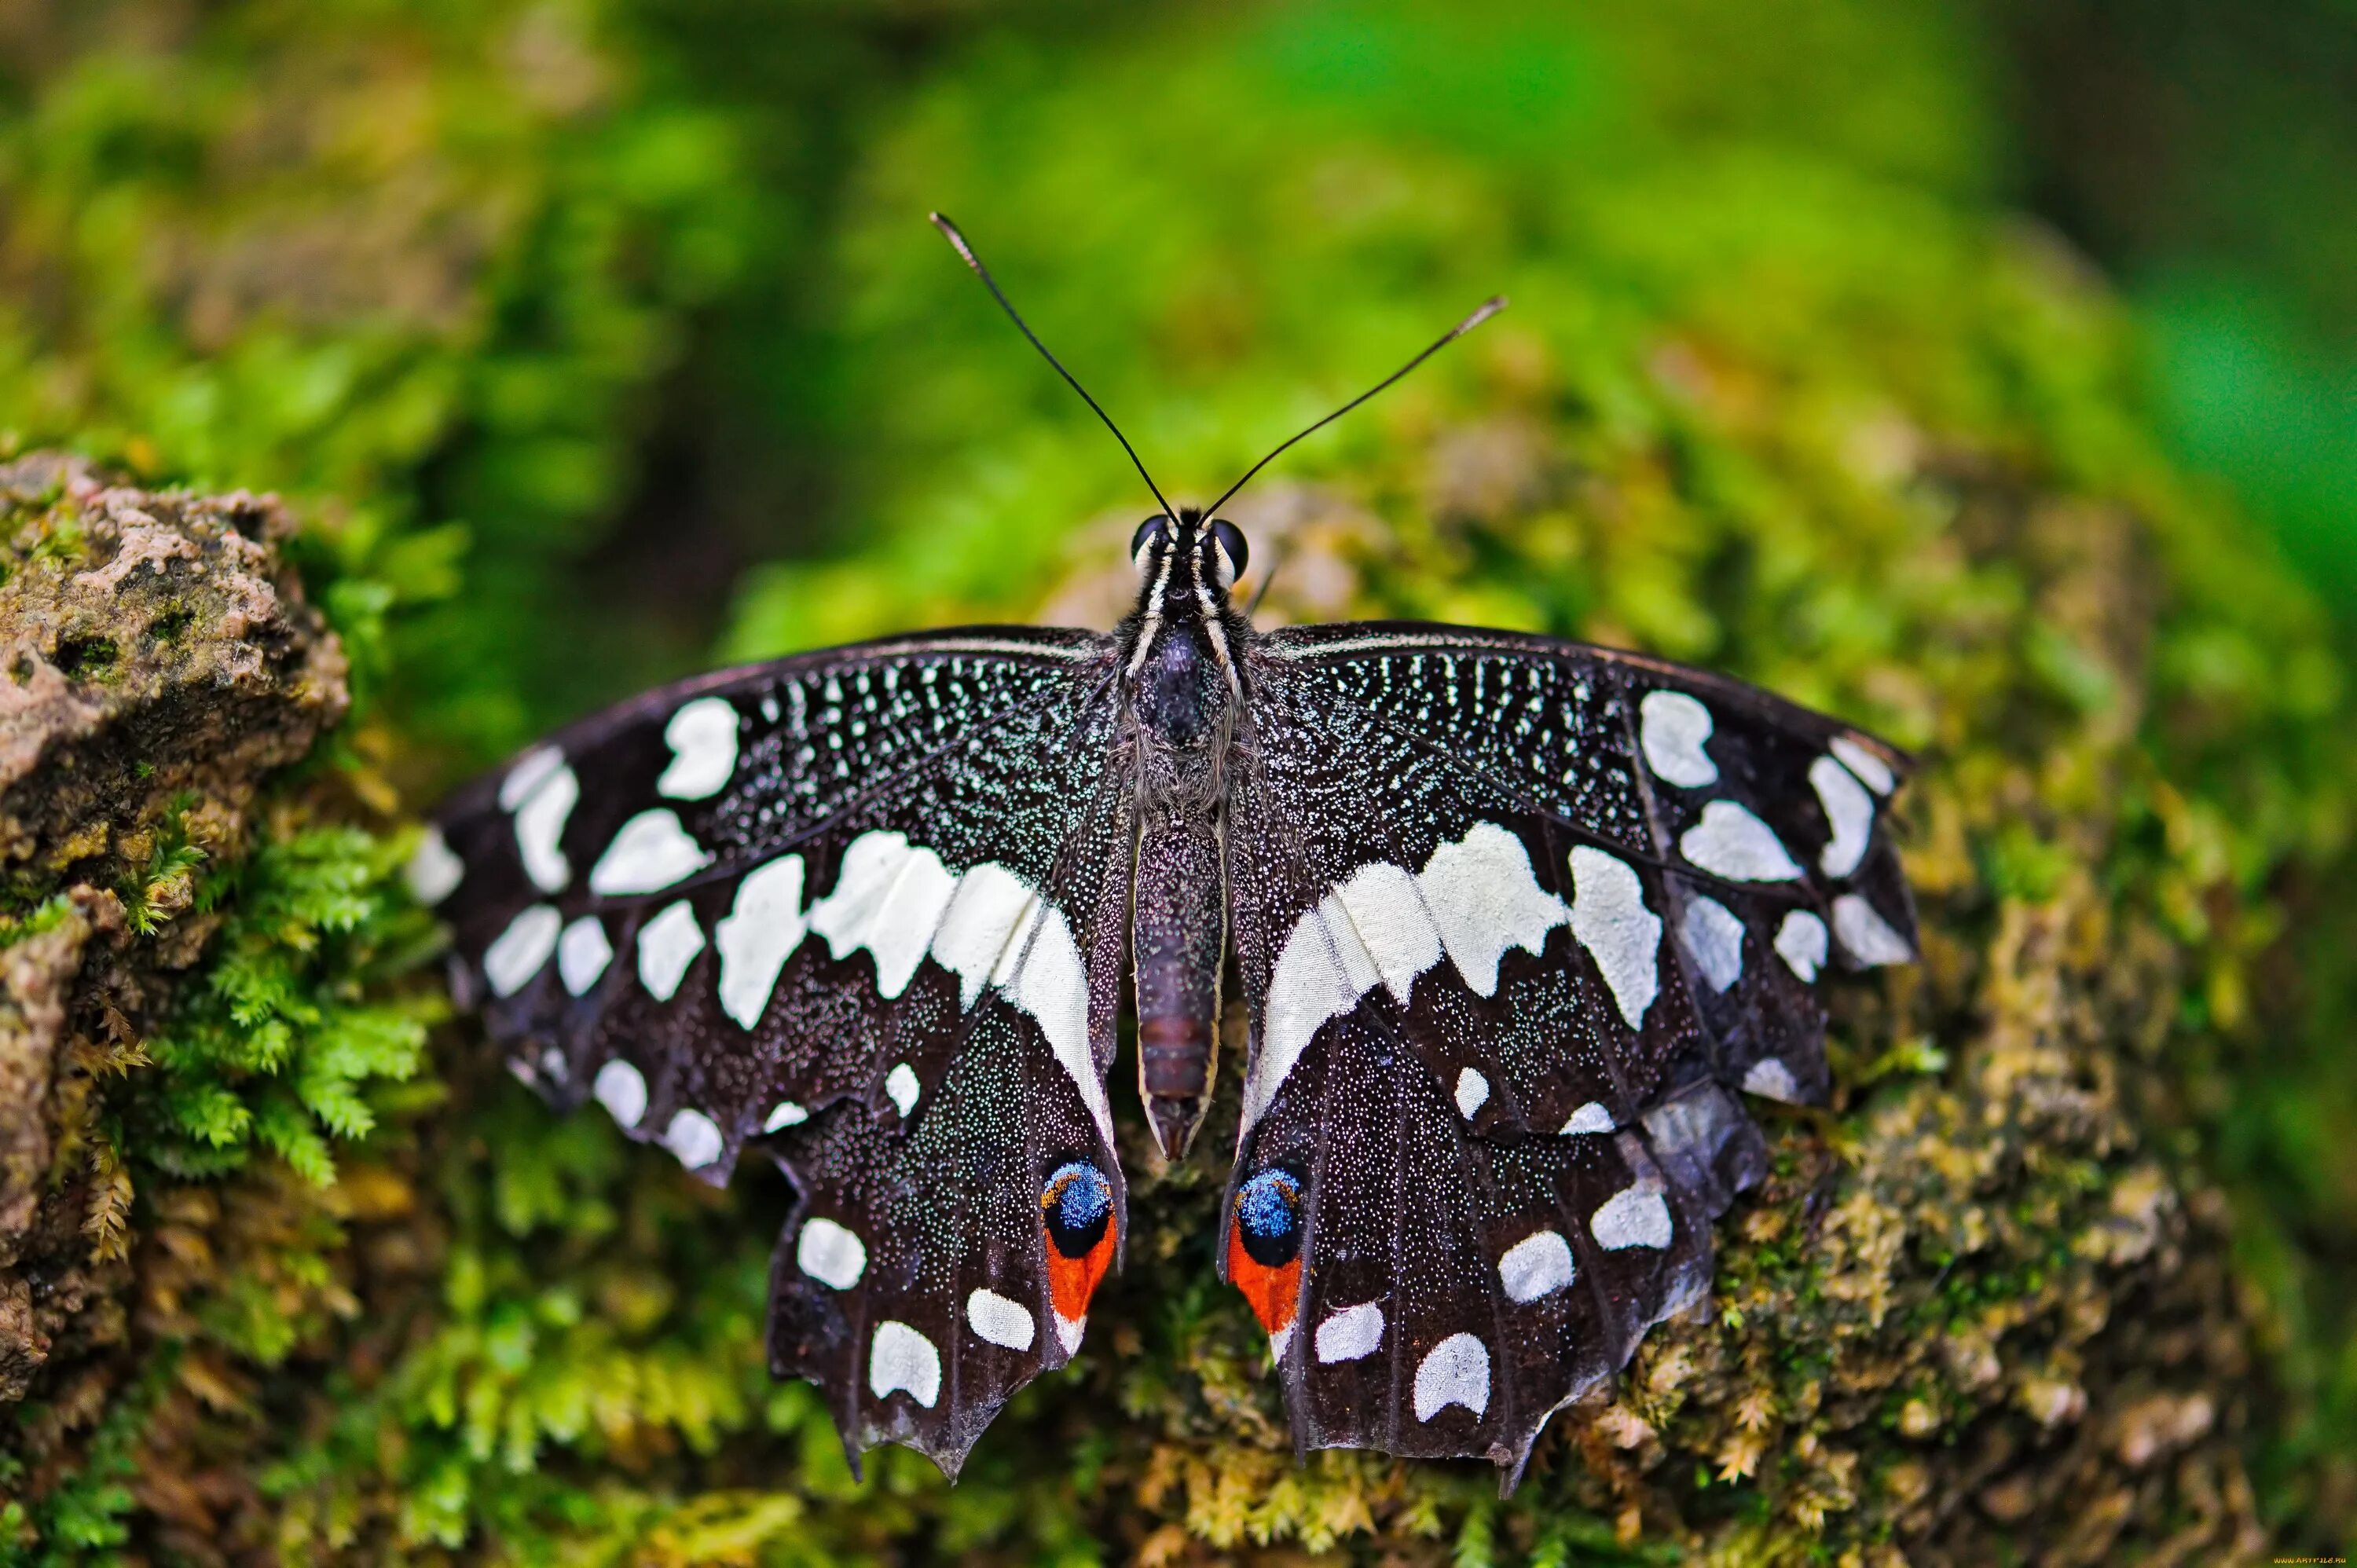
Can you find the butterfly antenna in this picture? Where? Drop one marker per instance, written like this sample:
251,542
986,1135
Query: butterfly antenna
950,231
1487,308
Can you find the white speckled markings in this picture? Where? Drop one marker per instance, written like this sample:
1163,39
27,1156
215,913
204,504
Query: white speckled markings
1455,1371
830,1253
1672,728
1591,1117
1772,1079
650,852
667,945
435,869
1871,770
622,1089
1537,1266
1730,841
898,902
1000,1320
901,1359
760,931
541,808
1475,899
1801,943
900,1087
1634,1216
1609,918
1866,934
1714,937
1850,811
582,954
520,951
703,739
692,1137
1350,1334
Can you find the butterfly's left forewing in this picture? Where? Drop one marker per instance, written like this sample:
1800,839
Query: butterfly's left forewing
868,906
1510,957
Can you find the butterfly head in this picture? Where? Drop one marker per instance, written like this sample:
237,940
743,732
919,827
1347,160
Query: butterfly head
1180,559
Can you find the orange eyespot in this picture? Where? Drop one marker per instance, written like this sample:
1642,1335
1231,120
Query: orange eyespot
1264,1247
1076,1213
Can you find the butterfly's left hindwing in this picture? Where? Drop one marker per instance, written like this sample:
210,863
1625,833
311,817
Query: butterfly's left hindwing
868,905
1516,922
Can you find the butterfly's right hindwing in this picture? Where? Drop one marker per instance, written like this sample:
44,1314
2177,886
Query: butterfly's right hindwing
868,905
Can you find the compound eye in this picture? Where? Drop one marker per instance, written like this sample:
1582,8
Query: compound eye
1229,553
1152,531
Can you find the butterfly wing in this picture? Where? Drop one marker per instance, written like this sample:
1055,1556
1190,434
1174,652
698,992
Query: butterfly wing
868,906
1515,919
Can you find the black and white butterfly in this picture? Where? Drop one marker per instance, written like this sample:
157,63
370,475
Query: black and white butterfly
1515,921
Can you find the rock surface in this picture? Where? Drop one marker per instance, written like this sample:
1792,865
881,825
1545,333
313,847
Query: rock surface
159,664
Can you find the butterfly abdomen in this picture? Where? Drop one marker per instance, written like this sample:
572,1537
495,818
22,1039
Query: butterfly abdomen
1178,933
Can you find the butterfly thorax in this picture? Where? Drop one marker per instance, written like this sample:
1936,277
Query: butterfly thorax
1184,690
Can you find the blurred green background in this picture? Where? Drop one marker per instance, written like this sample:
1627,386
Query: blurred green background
631,305
603,339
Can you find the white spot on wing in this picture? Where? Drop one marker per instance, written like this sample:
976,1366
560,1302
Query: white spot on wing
1537,1266
983,929
702,740
1382,906
1875,772
1280,1342
900,1087
582,954
1730,841
1050,985
530,771
1485,899
1714,937
1478,897
830,1253
1849,809
1634,1216
760,931
900,1358
667,945
435,869
1068,1331
888,898
1772,1079
693,1137
988,927
1001,1321
1590,1118
650,852
1609,918
1472,1092
519,951
784,1115
1867,935
1672,727
1455,1371
622,1089
540,822
1801,943
1351,1333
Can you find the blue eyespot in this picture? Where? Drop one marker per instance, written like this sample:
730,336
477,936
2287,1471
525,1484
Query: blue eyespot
1076,1202
1268,1208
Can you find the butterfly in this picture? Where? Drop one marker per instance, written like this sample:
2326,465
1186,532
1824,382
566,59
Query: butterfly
1516,924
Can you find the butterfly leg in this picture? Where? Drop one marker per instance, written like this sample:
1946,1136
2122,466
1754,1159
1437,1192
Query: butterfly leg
1178,935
